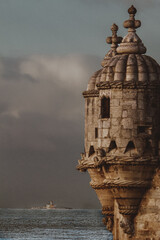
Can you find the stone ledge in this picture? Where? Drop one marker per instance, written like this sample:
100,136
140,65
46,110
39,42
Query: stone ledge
91,93
128,85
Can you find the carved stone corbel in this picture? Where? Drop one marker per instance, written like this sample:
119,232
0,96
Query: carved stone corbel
127,224
109,222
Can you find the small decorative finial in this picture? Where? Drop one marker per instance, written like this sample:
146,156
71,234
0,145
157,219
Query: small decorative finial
114,40
131,43
132,10
132,24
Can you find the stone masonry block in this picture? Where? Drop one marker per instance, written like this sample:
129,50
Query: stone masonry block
90,136
141,115
124,114
121,142
158,203
141,104
140,95
105,143
115,122
115,131
132,114
131,103
116,94
105,133
115,102
116,112
100,130
100,123
127,123
99,142
149,119
106,123
134,132
126,133
151,202
129,94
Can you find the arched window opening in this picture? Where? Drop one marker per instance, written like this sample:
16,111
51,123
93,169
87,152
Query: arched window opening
105,107
112,146
91,151
130,146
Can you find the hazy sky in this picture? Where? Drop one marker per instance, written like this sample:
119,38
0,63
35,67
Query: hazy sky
48,51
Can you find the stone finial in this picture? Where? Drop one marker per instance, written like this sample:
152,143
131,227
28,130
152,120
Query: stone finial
114,39
132,24
131,43
132,10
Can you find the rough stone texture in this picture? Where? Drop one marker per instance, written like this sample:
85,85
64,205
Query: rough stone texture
122,138
147,222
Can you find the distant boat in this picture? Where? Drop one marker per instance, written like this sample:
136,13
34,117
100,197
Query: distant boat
50,205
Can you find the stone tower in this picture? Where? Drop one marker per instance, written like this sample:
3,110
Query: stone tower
122,136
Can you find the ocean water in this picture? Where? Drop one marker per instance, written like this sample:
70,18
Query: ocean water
76,224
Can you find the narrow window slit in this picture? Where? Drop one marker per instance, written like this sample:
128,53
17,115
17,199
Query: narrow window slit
96,132
105,107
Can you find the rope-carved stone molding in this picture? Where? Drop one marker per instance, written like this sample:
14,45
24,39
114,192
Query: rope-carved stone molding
120,184
108,211
136,160
95,185
85,164
127,85
118,160
91,93
128,210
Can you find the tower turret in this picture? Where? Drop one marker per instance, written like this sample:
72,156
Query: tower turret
122,128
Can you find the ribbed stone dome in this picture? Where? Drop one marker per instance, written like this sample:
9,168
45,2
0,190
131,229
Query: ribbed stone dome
127,67
126,62
132,67
94,80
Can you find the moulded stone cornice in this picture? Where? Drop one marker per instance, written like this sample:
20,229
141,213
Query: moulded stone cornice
109,210
128,85
121,160
114,183
95,185
85,164
91,93
118,183
128,210
117,160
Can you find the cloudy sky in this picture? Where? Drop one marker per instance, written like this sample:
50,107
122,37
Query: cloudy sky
48,51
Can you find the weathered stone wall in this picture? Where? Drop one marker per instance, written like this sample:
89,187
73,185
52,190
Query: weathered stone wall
104,195
134,117
91,122
122,137
147,222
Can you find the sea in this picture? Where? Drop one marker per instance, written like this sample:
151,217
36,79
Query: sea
41,224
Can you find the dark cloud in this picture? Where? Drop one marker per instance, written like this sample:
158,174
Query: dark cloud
41,130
